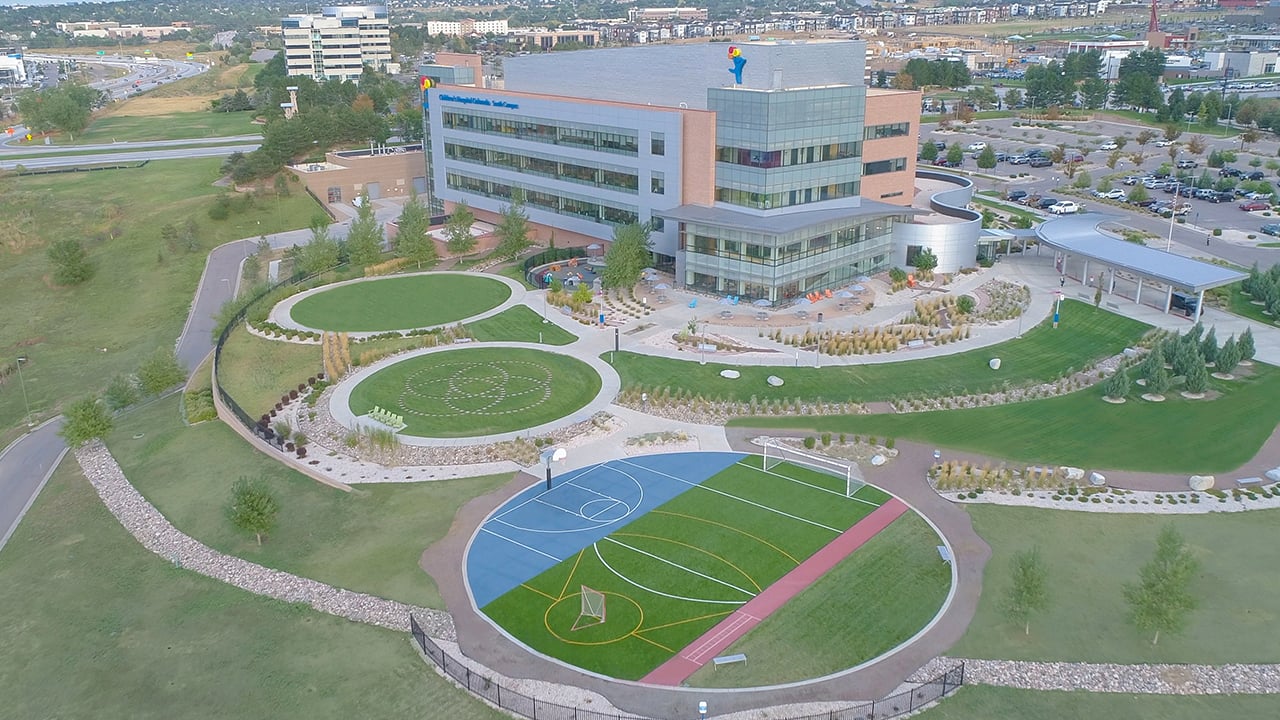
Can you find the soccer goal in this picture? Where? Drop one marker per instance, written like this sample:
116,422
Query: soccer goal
776,453
592,611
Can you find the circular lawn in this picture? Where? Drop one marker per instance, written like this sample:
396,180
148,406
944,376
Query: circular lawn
399,303
478,391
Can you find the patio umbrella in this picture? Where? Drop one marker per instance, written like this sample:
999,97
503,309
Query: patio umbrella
595,246
763,302
857,288
662,286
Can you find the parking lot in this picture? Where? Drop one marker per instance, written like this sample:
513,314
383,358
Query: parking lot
1199,215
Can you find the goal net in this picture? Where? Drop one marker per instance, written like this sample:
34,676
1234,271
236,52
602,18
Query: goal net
776,453
592,611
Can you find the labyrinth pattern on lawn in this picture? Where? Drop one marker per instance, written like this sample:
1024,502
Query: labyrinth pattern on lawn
492,388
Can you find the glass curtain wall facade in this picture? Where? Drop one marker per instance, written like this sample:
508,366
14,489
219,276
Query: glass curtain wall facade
787,148
781,267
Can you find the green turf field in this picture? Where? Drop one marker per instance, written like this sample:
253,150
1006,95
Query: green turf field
400,303
478,391
672,574
519,324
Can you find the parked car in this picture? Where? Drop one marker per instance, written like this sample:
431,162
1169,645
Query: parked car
1186,164
1145,203
1223,196
1131,180
1016,195
1230,172
1073,157
1187,191
1256,175
1271,229
1046,203
1163,143
1154,184
1002,157
976,146
1019,160
940,145
1065,207
1251,205
1109,145
1206,194
1040,162
1113,194
943,162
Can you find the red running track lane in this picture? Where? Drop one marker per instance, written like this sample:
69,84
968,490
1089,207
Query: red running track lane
727,631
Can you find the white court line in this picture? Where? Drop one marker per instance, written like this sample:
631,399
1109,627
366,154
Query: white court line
629,581
597,493
513,542
606,509
815,487
678,566
574,513
513,508
735,497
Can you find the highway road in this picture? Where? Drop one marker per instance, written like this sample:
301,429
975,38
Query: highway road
141,73
160,153
116,146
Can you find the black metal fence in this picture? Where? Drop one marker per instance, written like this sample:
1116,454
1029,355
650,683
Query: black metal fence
525,706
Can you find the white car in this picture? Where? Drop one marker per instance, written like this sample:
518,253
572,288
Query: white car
1113,194
1109,145
977,147
1064,207
1163,143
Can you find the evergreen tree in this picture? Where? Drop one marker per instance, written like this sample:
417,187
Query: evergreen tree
987,158
1209,346
1153,360
412,240
365,238
513,228
1246,345
1161,599
1228,356
457,230
1117,386
1158,381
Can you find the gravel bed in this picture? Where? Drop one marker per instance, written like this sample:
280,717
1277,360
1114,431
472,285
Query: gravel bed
1131,501
158,535
1132,679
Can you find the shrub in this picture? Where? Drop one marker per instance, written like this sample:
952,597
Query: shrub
826,439
810,442
160,372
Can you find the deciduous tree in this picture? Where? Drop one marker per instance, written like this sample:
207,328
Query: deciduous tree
412,240
71,264
513,228
457,230
1161,600
628,255
1028,592
365,238
253,508
86,419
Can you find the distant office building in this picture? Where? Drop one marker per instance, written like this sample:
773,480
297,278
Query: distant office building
337,43
547,39
463,28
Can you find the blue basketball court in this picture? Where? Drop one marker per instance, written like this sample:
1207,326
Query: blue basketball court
538,528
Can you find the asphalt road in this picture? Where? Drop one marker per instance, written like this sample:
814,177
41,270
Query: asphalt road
24,467
5,147
131,156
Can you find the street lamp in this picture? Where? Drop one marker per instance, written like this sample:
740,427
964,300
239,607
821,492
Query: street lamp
1173,213
23,383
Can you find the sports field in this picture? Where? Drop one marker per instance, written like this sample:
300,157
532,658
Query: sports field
478,391
647,568
400,303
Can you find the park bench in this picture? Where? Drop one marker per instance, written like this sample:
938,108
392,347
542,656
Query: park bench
1249,481
944,553
727,659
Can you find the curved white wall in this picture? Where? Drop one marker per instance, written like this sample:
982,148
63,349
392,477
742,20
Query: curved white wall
954,243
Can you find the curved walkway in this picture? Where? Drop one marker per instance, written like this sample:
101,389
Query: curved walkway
282,313
610,383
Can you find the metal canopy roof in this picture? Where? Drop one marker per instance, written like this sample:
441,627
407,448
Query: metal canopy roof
1079,235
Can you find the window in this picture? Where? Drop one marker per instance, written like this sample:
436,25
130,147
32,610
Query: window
884,166
875,132
657,183
657,143
657,224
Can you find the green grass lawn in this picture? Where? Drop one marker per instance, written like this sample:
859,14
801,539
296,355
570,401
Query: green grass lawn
1081,430
1241,304
368,540
692,577
1148,119
997,703
885,592
256,371
78,337
178,126
478,391
1089,556
1086,335
520,324
97,626
400,303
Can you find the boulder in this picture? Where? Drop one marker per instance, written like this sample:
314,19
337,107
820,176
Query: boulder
878,460
774,380
1201,483
994,363
1071,473
730,374
1097,479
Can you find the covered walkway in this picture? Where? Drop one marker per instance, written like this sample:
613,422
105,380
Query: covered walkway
1095,258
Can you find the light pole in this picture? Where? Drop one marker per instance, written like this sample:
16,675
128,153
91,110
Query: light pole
1173,213
23,384
1057,309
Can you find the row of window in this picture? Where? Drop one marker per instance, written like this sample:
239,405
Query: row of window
774,256
884,166
572,207
783,158
876,132
590,137
789,198
531,165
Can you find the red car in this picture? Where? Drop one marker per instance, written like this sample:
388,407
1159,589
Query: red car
1254,205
